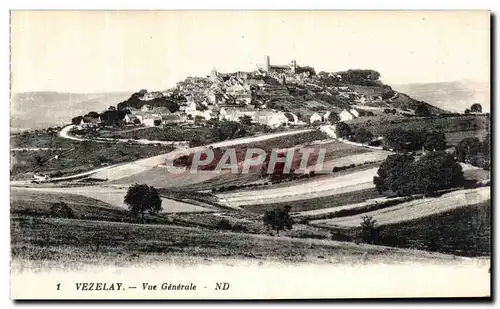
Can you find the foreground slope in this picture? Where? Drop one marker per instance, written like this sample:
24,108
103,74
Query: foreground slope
74,243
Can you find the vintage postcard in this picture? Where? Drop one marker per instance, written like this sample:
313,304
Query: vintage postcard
250,154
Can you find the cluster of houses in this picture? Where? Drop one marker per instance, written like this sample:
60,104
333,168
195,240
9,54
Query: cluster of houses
152,116
233,96
274,118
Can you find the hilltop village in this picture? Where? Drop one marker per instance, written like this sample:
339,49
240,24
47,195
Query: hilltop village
271,95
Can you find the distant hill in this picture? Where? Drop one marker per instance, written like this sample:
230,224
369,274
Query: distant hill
453,96
35,110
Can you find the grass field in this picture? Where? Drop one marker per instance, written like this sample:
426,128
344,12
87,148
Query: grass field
317,187
85,156
112,196
444,124
412,210
76,243
453,138
39,139
478,174
463,231
321,202
197,135
27,203
168,133
162,178
337,154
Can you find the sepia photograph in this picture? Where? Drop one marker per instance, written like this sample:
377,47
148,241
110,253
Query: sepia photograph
250,154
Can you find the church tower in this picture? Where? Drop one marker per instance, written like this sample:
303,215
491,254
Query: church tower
267,63
293,66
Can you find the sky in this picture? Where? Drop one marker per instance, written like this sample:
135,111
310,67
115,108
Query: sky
103,51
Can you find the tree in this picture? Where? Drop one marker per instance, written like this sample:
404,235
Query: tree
432,172
39,161
112,117
246,120
392,172
343,130
467,148
387,94
278,219
467,111
362,135
198,119
369,230
224,224
486,146
436,171
333,117
422,110
476,108
229,130
404,140
142,198
360,77
435,141
61,210
93,115
76,121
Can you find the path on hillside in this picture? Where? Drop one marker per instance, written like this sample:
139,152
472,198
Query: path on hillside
132,168
78,176
119,171
37,149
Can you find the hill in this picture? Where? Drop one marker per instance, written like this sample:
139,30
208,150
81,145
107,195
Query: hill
101,233
299,90
36,110
453,96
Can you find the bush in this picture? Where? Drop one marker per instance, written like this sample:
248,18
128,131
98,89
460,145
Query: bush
61,210
278,219
307,234
239,227
224,224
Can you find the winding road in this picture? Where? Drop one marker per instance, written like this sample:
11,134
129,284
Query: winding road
64,133
139,166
